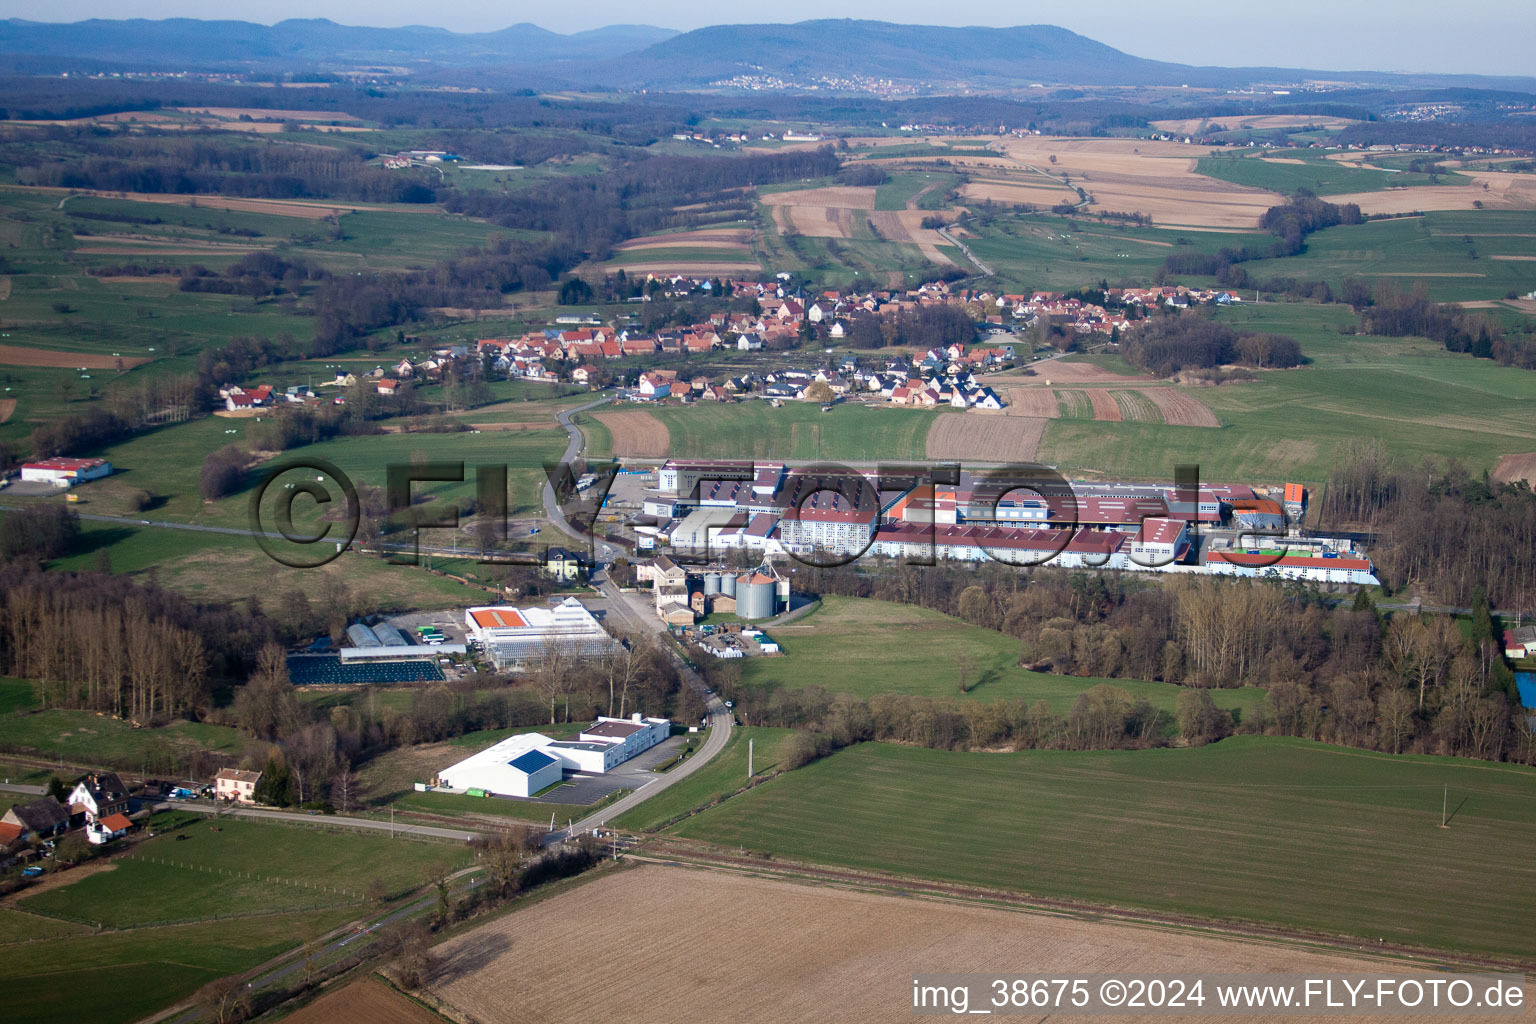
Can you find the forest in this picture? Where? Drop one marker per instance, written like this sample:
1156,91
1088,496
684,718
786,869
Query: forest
1167,344
1343,674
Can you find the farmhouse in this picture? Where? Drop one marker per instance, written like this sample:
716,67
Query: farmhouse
1520,642
99,795
62,472
236,786
40,819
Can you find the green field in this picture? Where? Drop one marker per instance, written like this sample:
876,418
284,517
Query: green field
243,868
83,737
118,977
929,188
722,776
1043,251
1322,177
799,430
1454,253
125,975
1279,831
864,647
1420,400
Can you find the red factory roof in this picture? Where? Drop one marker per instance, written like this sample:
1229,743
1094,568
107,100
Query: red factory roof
493,618
1161,531
60,463
1264,561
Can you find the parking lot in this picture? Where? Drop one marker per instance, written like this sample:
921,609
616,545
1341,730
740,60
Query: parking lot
449,621
632,774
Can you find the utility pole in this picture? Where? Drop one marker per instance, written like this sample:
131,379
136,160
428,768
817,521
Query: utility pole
391,821
1445,801
749,757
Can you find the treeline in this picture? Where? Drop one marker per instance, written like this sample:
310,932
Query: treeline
1390,311
1440,529
596,211
1168,344
104,643
219,165
1290,223
1341,674
922,328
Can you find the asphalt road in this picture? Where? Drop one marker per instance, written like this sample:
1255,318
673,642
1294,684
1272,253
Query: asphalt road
18,787
573,447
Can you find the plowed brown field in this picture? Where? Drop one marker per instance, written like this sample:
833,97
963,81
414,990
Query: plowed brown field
13,355
1509,469
1031,402
637,434
1104,406
739,949
1180,409
366,1001
983,438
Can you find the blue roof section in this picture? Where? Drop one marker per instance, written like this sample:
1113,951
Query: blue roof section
531,762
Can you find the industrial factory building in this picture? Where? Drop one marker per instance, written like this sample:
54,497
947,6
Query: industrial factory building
530,762
514,637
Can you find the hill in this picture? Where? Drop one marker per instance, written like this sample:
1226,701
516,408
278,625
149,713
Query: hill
314,42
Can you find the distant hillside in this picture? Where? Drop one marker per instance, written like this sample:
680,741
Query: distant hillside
944,57
311,43
906,53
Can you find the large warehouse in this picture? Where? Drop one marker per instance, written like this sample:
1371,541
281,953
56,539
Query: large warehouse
519,636
524,764
63,472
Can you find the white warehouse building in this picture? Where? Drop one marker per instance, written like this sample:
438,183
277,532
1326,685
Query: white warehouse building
517,636
529,762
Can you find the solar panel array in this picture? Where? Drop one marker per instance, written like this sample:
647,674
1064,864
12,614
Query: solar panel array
328,670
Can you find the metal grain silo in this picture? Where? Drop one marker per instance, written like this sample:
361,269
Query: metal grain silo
711,584
728,584
754,597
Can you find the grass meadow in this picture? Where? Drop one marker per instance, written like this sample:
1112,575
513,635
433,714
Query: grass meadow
1323,177
721,777
799,430
866,647
1278,831
156,946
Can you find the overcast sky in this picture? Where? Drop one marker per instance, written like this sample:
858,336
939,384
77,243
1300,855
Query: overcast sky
1489,37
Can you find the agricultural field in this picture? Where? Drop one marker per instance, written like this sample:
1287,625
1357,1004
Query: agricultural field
866,647
122,976
1288,424
1283,172
270,886
244,868
857,956
994,438
1036,251
799,430
1459,256
1271,830
721,777
633,433
365,1001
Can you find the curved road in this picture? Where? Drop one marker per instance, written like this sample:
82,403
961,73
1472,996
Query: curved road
721,719
573,445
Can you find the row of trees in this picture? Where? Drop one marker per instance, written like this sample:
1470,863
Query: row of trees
104,643
1169,344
